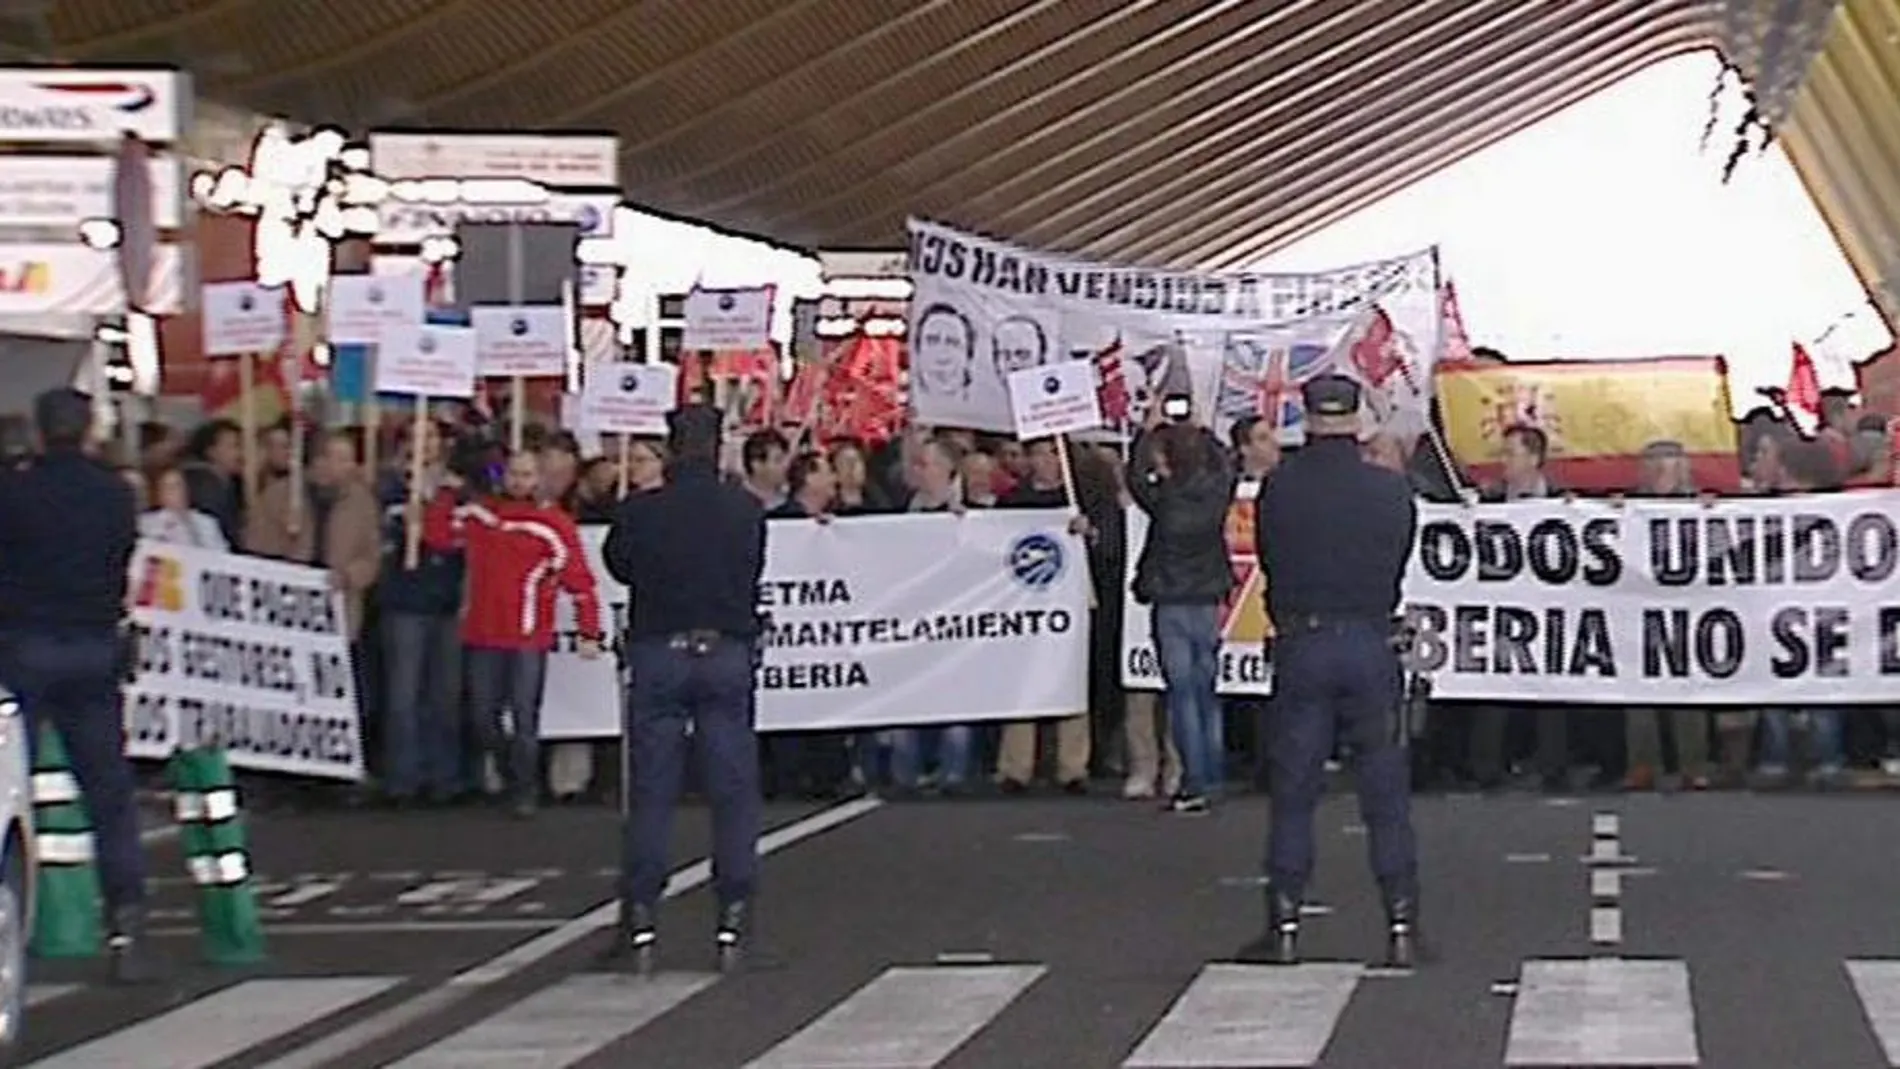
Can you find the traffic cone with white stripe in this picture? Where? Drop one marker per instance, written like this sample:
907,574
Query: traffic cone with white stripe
67,921
211,830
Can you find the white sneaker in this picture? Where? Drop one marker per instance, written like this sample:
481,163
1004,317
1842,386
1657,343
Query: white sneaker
1138,789
1171,784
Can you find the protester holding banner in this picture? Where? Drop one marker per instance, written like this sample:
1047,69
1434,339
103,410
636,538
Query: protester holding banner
520,553
1666,474
934,479
173,521
1178,476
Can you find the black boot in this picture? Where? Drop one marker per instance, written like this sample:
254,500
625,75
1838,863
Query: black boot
1401,932
128,948
1283,928
636,943
729,937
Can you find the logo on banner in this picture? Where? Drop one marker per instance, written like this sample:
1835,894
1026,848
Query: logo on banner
518,327
425,343
1052,385
161,586
630,383
589,218
1035,560
127,97
727,302
246,302
29,277
375,295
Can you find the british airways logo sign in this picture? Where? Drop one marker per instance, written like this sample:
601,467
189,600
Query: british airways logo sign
92,105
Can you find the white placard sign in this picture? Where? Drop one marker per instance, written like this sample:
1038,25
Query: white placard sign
728,320
244,653
880,621
623,398
243,317
520,341
1053,400
362,307
427,361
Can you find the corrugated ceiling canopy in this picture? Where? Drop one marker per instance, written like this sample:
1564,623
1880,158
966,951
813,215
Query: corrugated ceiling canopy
1180,132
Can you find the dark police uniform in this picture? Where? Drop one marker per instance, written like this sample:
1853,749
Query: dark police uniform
691,554
68,527
1334,535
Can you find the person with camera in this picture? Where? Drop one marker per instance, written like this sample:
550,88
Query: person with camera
1178,475
691,554
1334,534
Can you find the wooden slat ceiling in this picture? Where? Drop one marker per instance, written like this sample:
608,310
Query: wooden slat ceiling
1178,132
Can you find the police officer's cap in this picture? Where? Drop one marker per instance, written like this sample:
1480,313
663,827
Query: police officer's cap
693,427
1330,395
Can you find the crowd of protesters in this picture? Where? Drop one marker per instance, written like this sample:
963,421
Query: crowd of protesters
449,721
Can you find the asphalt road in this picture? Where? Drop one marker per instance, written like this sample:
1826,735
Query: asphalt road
1733,931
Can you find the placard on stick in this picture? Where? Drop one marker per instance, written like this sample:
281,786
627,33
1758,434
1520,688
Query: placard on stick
1054,400
620,398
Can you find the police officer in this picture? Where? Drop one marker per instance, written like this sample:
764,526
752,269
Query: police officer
690,554
68,526
1334,534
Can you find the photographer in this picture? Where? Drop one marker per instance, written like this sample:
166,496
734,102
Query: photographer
1179,477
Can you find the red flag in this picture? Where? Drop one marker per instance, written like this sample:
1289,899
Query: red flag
1804,384
1375,353
1111,384
1455,342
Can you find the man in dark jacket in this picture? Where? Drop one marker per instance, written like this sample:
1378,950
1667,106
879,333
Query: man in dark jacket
68,527
213,470
1178,476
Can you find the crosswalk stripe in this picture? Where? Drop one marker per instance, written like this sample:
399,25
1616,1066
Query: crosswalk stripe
1603,1012
559,1027
38,994
1250,1017
913,1018
1877,985
220,1026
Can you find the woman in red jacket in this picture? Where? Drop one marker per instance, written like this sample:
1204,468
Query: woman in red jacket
521,552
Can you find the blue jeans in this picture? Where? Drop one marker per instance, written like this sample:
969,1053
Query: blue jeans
422,710
1187,641
504,694
1824,740
952,745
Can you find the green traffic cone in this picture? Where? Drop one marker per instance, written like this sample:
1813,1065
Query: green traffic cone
211,830
67,921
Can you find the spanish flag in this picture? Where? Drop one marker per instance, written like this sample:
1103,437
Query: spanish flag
1598,415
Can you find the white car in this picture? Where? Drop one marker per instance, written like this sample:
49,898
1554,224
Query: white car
17,867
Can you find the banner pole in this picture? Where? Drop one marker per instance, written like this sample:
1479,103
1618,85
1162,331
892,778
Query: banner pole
626,457
247,423
418,431
1075,504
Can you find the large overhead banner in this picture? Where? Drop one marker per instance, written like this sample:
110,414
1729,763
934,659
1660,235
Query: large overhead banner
985,308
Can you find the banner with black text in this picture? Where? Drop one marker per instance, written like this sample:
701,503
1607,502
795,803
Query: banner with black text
879,621
243,653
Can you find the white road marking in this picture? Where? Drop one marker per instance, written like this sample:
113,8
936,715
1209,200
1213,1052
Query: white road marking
495,924
1877,985
1526,859
562,1025
1606,883
1605,826
37,994
907,1018
1250,1017
339,1045
221,1026
1606,925
1603,1012
305,893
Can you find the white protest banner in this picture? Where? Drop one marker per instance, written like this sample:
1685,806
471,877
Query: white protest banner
623,398
426,361
58,191
243,317
244,653
520,341
728,320
984,309
1059,399
886,620
1745,601
362,307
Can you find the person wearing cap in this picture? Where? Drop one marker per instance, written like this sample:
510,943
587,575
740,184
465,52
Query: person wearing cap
1334,534
691,555
68,528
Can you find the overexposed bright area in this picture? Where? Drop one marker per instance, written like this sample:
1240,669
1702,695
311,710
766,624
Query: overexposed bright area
1606,231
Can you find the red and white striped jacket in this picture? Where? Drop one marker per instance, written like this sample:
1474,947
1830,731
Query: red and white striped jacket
520,555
